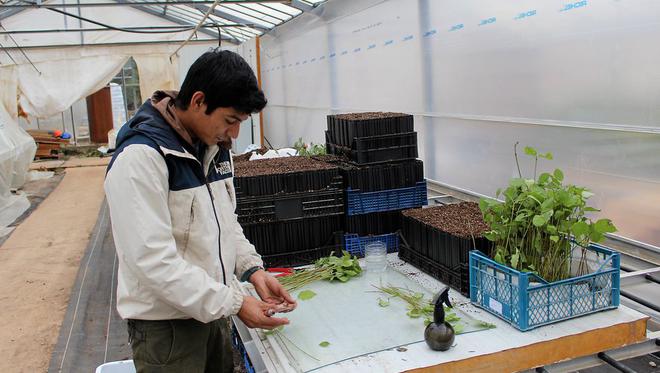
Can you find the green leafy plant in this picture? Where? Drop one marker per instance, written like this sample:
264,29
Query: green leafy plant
540,220
417,305
310,149
324,344
306,295
329,268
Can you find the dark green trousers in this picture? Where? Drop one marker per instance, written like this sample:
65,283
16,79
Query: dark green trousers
190,346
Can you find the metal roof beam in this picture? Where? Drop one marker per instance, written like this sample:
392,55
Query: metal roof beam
11,12
301,5
231,18
156,2
176,20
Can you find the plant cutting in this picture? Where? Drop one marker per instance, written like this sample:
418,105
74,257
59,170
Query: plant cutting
329,268
541,221
418,306
307,150
284,340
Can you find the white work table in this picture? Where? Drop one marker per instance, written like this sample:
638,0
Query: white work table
501,349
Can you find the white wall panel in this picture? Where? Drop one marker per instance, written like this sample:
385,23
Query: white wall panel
577,78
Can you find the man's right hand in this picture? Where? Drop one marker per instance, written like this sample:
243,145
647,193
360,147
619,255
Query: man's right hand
255,314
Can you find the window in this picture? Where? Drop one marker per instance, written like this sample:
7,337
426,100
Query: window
129,81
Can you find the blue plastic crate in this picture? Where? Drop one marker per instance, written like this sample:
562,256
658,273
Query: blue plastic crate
355,244
526,301
238,344
386,200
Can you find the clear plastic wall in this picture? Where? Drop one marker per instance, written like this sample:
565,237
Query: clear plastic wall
577,78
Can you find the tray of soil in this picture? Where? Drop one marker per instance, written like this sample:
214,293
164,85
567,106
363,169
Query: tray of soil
345,127
376,149
284,175
444,236
246,156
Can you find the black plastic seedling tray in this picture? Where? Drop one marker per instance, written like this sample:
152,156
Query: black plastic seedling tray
392,175
374,223
292,235
290,206
376,149
443,248
458,277
292,182
345,130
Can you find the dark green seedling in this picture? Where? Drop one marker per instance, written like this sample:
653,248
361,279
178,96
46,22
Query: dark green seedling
439,334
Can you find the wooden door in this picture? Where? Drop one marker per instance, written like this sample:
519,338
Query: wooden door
99,112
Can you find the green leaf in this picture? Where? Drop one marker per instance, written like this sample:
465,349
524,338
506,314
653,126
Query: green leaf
414,313
491,235
521,217
383,302
451,317
458,328
603,226
559,176
418,295
306,295
530,151
544,178
324,344
547,156
275,330
498,258
539,220
580,229
517,182
515,258
586,194
427,321
486,325
591,209
596,237
554,239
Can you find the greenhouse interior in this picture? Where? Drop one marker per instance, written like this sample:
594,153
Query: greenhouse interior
432,186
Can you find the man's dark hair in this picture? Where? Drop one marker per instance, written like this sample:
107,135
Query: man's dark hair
226,80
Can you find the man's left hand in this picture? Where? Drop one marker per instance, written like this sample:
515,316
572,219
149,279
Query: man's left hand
271,291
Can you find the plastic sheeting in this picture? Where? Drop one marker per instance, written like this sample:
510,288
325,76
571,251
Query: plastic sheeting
59,84
579,79
16,152
57,80
156,72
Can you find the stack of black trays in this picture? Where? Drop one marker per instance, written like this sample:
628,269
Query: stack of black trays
291,217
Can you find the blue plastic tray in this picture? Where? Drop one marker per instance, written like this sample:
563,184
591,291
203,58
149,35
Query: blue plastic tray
385,200
510,295
355,244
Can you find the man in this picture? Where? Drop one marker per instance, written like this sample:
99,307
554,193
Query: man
180,248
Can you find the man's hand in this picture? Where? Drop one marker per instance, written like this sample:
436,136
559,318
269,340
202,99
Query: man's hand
255,314
271,291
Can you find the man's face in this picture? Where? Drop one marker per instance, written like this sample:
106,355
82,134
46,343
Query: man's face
219,127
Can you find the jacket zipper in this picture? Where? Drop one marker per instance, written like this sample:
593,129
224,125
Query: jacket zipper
222,264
